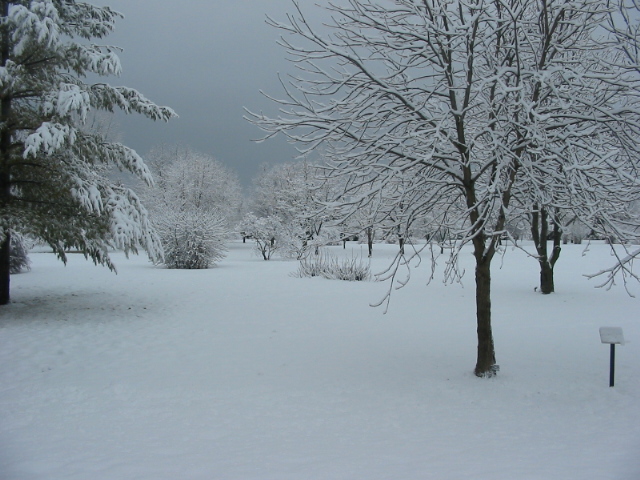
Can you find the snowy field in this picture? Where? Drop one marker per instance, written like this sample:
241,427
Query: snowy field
245,372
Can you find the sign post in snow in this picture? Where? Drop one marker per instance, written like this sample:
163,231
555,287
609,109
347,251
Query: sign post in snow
612,336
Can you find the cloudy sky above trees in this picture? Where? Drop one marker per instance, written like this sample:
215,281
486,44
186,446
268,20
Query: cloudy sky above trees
207,60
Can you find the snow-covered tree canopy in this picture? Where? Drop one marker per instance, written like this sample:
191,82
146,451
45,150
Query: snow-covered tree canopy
462,102
53,172
265,231
188,179
296,194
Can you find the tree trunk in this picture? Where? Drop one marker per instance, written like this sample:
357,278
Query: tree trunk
5,177
546,277
540,234
370,240
486,362
5,273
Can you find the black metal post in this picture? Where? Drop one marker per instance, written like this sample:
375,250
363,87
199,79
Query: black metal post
612,364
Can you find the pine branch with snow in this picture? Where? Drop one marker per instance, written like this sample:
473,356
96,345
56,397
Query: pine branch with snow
53,169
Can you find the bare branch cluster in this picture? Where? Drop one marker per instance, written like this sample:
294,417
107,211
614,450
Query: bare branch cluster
468,113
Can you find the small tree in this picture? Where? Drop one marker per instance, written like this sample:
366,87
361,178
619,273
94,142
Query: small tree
294,193
265,231
54,182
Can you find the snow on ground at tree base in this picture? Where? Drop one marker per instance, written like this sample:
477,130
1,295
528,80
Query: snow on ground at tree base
245,372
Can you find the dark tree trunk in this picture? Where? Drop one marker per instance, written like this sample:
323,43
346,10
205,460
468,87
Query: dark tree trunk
5,177
483,252
486,361
546,278
5,270
540,234
370,240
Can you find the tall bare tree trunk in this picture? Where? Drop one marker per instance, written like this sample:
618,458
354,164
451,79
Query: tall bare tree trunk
486,360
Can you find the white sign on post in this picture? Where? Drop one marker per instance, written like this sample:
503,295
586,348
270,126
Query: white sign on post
612,335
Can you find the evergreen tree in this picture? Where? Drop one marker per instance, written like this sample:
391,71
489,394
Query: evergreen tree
54,182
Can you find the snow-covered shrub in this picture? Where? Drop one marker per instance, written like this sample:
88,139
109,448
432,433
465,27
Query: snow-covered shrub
310,268
333,268
192,239
575,232
19,258
294,242
291,239
350,269
192,205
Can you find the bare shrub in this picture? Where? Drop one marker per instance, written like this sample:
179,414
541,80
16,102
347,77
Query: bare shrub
330,267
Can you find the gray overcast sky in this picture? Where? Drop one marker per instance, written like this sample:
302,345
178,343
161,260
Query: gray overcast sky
206,59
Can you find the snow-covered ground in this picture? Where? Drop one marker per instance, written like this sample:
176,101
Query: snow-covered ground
245,372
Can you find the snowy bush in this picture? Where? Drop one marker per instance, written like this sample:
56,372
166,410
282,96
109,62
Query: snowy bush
19,259
294,242
191,239
192,205
333,268
575,232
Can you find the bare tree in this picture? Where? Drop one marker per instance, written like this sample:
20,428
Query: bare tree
459,101
294,193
